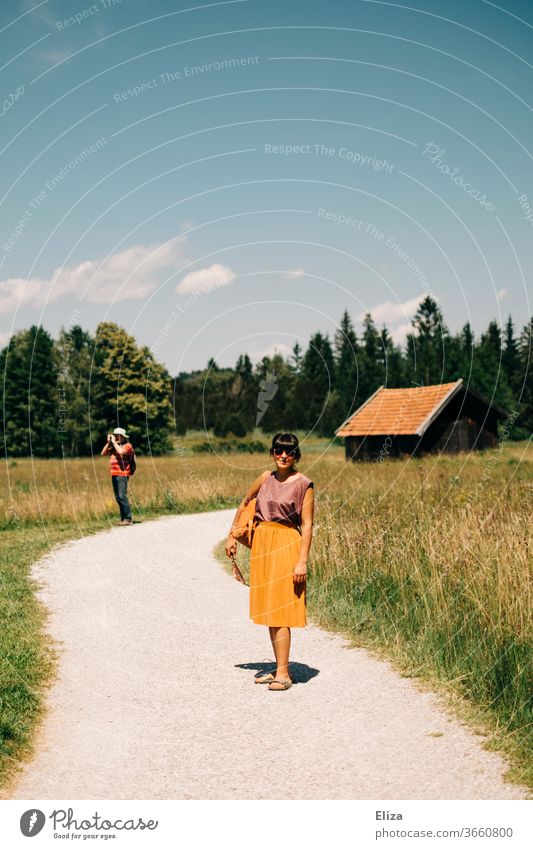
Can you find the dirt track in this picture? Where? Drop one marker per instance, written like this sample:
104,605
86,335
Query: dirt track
155,696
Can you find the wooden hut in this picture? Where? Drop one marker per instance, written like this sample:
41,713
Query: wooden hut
447,417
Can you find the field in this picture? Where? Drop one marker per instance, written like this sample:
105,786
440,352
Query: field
426,562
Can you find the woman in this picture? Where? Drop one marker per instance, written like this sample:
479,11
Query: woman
280,547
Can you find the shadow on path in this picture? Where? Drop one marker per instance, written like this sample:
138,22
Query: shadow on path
301,673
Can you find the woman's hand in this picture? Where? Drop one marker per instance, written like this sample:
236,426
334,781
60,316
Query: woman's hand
299,573
231,546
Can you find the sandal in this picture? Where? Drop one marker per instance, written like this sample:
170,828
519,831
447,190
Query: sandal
264,679
285,684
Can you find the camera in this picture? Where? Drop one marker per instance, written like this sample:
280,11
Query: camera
110,437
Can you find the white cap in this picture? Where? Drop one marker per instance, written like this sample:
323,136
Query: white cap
119,431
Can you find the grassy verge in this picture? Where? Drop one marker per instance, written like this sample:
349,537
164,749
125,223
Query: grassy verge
443,588
27,659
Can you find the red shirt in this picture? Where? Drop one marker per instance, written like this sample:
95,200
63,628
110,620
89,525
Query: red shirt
120,464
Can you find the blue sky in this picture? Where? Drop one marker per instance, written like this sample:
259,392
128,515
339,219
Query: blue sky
229,177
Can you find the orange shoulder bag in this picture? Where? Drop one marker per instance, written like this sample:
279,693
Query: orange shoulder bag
244,531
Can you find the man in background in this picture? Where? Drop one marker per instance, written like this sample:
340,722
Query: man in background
121,456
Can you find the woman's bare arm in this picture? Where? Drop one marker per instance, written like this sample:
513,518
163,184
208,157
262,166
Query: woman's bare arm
231,543
308,510
252,492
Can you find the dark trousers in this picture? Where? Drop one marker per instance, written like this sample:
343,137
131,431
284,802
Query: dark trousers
120,488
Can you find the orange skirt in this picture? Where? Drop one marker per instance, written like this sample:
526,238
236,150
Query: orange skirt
275,599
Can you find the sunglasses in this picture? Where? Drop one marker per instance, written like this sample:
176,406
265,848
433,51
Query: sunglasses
279,451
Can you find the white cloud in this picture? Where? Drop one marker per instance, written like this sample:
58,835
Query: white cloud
130,274
17,291
501,294
293,275
206,279
399,334
391,313
395,316
275,348
4,339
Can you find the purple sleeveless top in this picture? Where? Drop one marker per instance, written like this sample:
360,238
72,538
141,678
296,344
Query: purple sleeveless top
282,502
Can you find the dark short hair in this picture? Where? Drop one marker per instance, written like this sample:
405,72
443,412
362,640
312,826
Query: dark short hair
288,441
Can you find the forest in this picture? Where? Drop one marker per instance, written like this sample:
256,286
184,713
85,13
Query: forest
61,396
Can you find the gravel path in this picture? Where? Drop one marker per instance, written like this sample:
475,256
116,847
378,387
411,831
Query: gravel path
155,696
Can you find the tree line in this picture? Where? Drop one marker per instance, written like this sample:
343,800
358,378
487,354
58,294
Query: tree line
60,397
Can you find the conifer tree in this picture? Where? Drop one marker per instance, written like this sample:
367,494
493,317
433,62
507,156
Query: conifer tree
244,394
426,345
274,400
316,382
179,405
215,399
489,375
468,363
295,361
192,406
32,405
73,355
453,364
525,380
391,362
346,364
371,369
468,344
511,359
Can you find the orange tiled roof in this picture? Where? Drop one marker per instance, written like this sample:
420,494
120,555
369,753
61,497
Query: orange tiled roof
397,411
